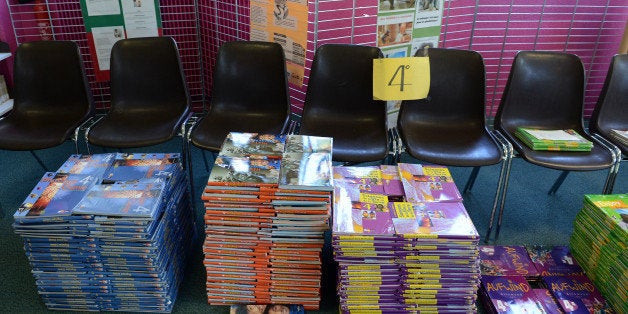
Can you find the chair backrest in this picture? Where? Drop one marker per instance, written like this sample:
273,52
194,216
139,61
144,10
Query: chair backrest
339,103
544,90
50,79
341,84
456,96
147,76
611,111
250,78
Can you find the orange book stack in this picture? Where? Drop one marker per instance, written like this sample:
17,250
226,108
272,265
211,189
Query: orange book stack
264,229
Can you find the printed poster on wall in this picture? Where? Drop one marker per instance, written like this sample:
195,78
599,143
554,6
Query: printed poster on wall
405,27
283,22
107,21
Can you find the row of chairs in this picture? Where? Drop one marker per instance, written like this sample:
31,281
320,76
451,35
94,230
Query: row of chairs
150,105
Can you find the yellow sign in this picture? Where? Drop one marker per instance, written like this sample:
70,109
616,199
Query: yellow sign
401,78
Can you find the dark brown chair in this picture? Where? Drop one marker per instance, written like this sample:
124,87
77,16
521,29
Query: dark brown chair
149,96
545,90
249,94
611,111
51,97
449,127
339,103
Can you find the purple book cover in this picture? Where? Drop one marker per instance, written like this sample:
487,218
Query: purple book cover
506,261
368,179
546,299
576,294
391,180
510,294
554,260
428,183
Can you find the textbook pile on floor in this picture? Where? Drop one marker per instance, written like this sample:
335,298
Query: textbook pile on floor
109,232
267,205
600,243
536,279
403,241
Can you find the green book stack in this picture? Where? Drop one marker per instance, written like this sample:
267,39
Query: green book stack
599,243
620,135
558,140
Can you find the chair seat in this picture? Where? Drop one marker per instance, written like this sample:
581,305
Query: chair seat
35,132
597,159
447,147
126,131
352,141
210,132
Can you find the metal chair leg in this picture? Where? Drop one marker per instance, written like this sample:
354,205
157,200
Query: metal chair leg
471,180
558,182
502,186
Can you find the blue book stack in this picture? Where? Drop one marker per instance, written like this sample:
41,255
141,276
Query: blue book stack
119,245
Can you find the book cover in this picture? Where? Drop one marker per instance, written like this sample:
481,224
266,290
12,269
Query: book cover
561,140
95,165
130,167
391,181
137,200
308,144
497,260
428,183
58,198
306,171
553,260
240,144
368,178
576,294
510,294
244,170
546,299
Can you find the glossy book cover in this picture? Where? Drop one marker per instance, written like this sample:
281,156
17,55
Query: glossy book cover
511,260
510,295
239,144
428,183
576,294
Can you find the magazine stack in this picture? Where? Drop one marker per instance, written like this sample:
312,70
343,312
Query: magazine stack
419,254
559,140
536,279
109,232
599,243
267,205
620,135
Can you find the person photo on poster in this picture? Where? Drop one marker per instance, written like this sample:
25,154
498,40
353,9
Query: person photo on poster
281,9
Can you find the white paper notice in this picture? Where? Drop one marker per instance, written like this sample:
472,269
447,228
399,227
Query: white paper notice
140,18
102,7
104,38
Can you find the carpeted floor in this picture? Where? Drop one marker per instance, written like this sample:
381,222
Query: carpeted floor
531,217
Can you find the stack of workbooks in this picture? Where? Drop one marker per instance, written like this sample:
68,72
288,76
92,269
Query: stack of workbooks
267,206
109,232
600,244
620,135
418,255
536,279
558,140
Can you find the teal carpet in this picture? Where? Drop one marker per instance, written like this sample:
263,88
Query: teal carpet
531,217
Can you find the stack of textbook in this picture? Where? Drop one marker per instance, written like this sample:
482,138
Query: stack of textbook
620,135
267,206
600,244
557,140
109,232
417,255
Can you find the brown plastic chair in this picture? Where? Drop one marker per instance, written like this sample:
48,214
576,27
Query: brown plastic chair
51,97
339,103
449,127
610,111
545,90
249,94
149,96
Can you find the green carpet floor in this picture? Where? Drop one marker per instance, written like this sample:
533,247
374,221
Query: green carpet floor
531,217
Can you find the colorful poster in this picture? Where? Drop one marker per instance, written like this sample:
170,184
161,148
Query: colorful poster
283,22
107,21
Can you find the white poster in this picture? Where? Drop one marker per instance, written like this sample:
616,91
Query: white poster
104,38
102,7
140,18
